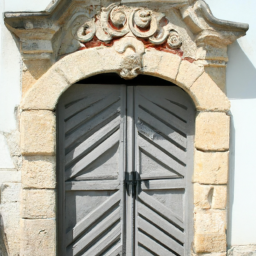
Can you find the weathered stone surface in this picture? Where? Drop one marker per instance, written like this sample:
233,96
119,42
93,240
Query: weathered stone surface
211,168
38,237
210,254
39,172
169,66
38,203
10,212
212,131
151,60
218,75
45,92
188,73
203,196
207,196
32,71
219,200
10,176
208,96
37,132
245,250
210,227
204,243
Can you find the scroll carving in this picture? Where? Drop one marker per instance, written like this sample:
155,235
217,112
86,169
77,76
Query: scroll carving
117,21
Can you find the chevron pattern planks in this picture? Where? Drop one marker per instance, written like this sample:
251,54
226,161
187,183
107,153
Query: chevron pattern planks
96,149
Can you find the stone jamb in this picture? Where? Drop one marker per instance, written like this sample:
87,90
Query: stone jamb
211,143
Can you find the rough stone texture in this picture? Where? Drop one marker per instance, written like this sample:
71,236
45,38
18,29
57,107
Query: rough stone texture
246,250
207,196
32,71
219,200
218,75
188,73
169,66
38,203
10,176
212,131
211,168
208,96
151,60
210,254
37,132
210,227
39,172
52,84
10,212
38,237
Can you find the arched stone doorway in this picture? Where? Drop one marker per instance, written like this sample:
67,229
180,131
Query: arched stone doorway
192,54
125,164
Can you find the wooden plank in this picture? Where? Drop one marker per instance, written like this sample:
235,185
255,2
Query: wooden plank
93,185
153,246
90,112
105,242
160,141
162,128
96,138
160,156
163,184
82,104
160,236
93,155
92,123
160,222
94,233
117,250
162,114
92,217
161,209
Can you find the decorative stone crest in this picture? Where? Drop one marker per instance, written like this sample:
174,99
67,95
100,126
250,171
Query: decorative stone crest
117,21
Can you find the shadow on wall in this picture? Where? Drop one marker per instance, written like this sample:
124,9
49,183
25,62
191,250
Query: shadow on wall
241,74
241,85
3,250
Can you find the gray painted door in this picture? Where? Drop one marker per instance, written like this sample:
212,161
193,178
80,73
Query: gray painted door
125,157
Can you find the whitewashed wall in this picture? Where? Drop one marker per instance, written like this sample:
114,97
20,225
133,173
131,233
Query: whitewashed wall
241,90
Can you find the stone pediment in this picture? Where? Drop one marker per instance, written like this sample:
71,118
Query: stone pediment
187,28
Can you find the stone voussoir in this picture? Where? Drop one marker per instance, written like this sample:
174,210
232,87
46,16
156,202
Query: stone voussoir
208,96
38,129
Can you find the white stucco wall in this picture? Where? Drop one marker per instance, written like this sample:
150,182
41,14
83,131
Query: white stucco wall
241,90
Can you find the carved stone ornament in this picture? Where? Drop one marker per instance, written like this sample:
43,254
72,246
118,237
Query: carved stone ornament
117,21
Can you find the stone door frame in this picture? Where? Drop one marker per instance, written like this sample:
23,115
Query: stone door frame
202,77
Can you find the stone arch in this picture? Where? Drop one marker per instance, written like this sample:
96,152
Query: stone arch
38,141
77,66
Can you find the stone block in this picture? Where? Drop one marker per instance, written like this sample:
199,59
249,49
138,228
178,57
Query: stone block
207,196
210,221
208,96
206,243
212,131
151,60
169,66
188,73
210,231
10,192
39,172
38,203
45,93
38,132
210,167
38,237
10,176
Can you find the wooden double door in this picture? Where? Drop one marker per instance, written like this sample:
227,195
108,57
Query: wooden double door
125,159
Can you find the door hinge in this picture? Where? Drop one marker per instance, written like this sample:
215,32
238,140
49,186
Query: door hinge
133,181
